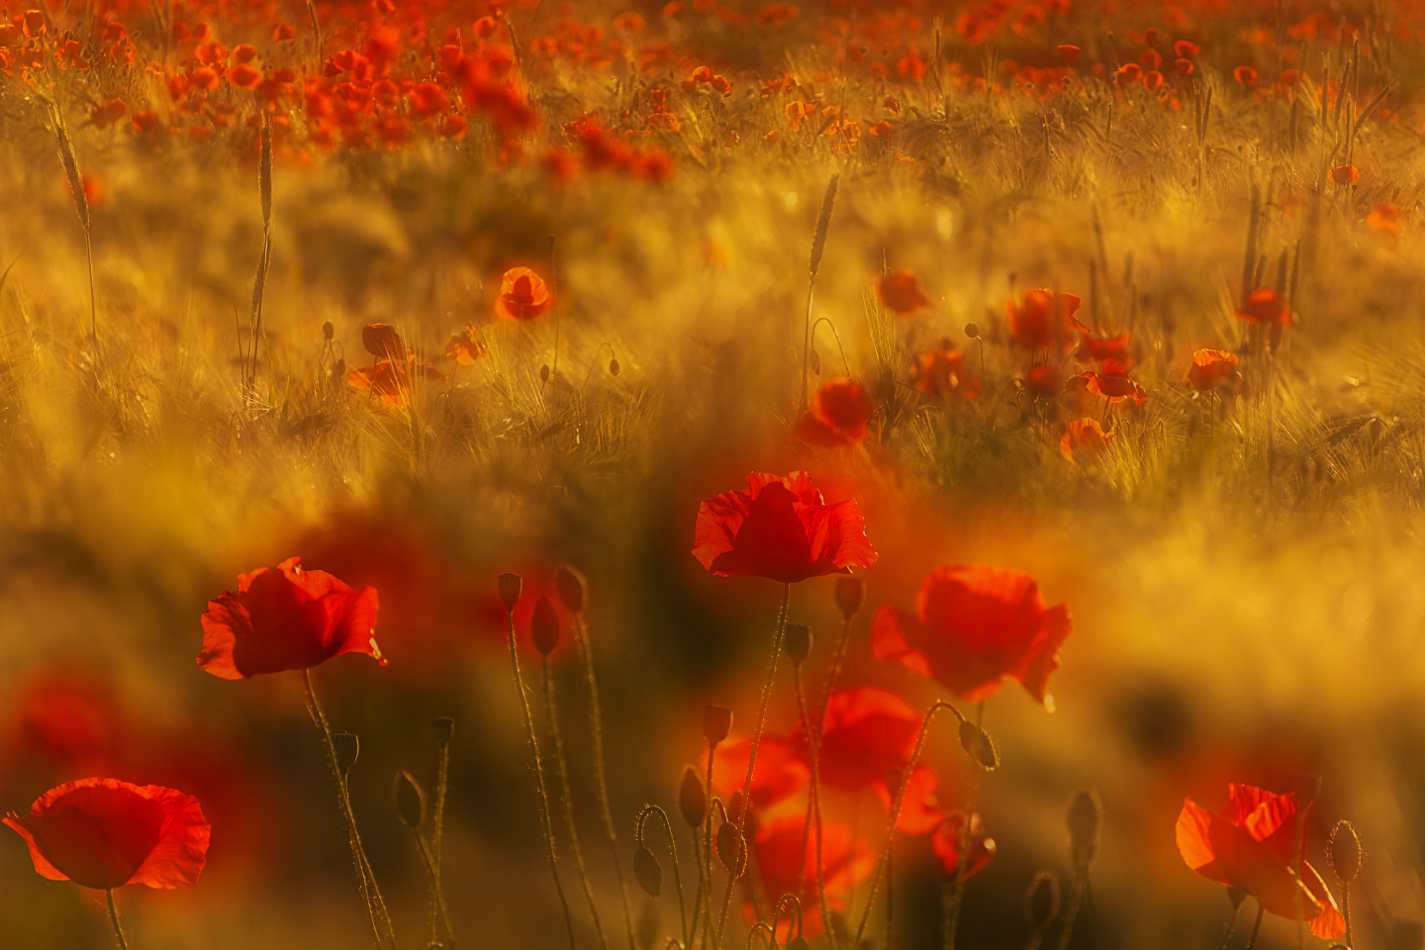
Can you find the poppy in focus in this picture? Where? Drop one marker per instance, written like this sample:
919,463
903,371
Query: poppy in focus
285,618
974,625
523,295
780,528
839,412
104,833
900,291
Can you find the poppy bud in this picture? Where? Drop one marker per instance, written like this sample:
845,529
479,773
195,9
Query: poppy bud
570,586
444,730
339,372
972,330
544,373
613,367
798,642
798,943
978,745
510,590
647,872
850,595
544,627
328,331
1084,819
410,800
717,723
692,800
816,362
1041,901
1308,787
731,850
348,747
1344,852
648,926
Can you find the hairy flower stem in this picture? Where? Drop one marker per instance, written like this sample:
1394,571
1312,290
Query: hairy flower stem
957,887
545,818
752,763
672,849
437,896
601,783
895,813
553,714
114,917
1231,926
705,870
813,808
442,783
370,892
1071,910
1296,848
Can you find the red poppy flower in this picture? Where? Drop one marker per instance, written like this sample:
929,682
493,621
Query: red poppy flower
1093,349
786,864
1046,320
946,843
390,381
900,291
1114,383
1044,379
780,528
1126,75
1251,847
942,372
465,348
104,833
382,341
1211,368
1084,437
920,812
1186,49
285,618
867,732
1245,75
1184,67
523,295
973,626
1068,54
839,412
1384,217
1344,174
779,774
1266,306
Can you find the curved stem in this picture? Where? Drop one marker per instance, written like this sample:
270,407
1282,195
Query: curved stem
1257,926
813,811
1231,926
957,891
757,928
114,916
895,814
777,914
827,320
543,800
752,760
601,784
444,916
1071,911
673,849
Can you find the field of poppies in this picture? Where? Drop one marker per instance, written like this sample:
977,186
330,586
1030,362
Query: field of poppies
844,474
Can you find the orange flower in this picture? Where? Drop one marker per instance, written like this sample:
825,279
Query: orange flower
1098,348
1084,437
1068,54
1184,67
1126,75
1344,174
1186,49
390,381
523,295
839,412
1385,217
465,348
1211,368
1265,306
1044,379
900,291
1245,75
1114,384
941,372
1045,321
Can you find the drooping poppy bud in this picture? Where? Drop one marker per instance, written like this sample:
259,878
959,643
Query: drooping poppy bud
692,799
410,800
731,849
1344,852
613,367
444,730
647,872
544,373
510,585
1041,901
1084,820
328,331
348,749
571,587
850,595
798,642
979,746
544,627
717,723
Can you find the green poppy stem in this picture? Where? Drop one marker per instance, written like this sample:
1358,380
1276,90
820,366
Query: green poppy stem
114,916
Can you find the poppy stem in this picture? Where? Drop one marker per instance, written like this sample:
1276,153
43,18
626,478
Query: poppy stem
1071,911
601,784
553,715
1231,926
375,904
438,895
752,759
1257,926
705,871
673,850
895,812
543,800
813,809
957,887
1296,846
114,916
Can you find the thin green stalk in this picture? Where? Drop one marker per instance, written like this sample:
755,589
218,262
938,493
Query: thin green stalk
1297,840
545,818
1256,927
1071,910
814,808
436,891
673,849
114,916
957,887
752,760
601,784
370,892
569,799
1231,926
442,783
1346,910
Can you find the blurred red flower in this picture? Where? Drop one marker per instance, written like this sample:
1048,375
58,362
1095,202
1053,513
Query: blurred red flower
900,291
1083,437
465,347
786,864
1068,53
1045,320
1251,846
1264,306
780,772
946,843
104,833
1344,174
867,732
1211,368
1095,349
973,626
1245,75
780,528
285,618
839,412
1114,383
941,372
523,295
920,811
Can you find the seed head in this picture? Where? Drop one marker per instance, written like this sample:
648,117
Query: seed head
348,748
510,585
850,596
444,730
692,800
972,330
1344,852
544,627
717,723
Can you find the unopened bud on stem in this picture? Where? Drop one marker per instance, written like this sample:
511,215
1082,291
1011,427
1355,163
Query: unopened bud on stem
797,642
510,585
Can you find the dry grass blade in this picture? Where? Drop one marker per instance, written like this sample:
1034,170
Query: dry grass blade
259,282
81,204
